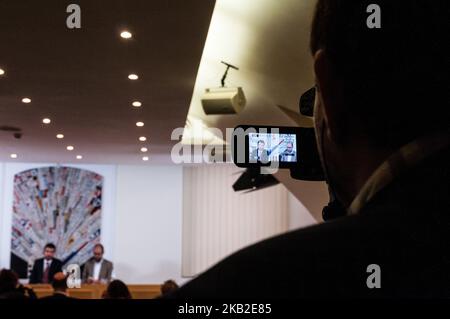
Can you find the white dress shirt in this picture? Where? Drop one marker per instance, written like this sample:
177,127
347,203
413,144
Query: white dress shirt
97,268
47,263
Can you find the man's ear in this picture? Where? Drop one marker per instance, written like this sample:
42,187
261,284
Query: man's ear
330,92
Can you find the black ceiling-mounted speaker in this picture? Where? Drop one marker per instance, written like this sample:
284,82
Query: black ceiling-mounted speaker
253,180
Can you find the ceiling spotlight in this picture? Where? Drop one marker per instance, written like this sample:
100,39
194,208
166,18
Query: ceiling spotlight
2,71
145,158
142,138
79,157
60,136
133,77
26,100
139,124
70,148
46,121
13,155
144,149
126,34
137,104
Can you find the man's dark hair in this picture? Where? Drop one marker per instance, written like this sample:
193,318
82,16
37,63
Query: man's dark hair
101,246
50,245
261,141
59,282
8,280
168,286
395,78
117,289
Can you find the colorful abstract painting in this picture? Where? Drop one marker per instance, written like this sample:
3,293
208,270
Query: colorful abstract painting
60,205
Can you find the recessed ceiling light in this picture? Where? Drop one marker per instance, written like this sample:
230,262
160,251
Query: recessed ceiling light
126,34
2,71
46,121
60,136
26,100
133,77
79,157
144,149
137,104
139,124
142,138
70,148
13,155
145,158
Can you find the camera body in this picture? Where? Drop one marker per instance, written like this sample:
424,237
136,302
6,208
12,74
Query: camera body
270,143
292,148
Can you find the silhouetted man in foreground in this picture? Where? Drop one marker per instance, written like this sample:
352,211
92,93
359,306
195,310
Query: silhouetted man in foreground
382,126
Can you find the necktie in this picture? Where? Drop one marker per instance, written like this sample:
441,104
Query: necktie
46,272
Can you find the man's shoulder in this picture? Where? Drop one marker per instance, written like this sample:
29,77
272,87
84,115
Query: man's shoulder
107,262
292,264
57,261
338,239
90,261
328,259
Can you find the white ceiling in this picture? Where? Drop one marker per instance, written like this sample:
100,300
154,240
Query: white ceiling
269,41
78,78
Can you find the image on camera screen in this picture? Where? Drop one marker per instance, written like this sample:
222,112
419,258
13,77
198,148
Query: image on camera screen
272,147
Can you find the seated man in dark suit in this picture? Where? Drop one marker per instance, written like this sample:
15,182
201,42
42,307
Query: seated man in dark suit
97,269
260,154
384,142
45,268
59,285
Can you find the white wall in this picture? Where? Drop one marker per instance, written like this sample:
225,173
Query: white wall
148,223
298,215
313,195
218,221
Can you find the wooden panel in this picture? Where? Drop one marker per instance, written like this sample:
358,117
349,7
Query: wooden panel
43,292
96,291
83,293
145,291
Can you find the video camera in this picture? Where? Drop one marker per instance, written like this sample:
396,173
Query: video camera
292,148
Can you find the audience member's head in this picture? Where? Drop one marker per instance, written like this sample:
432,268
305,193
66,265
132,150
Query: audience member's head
49,251
98,252
8,281
59,283
168,286
117,290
